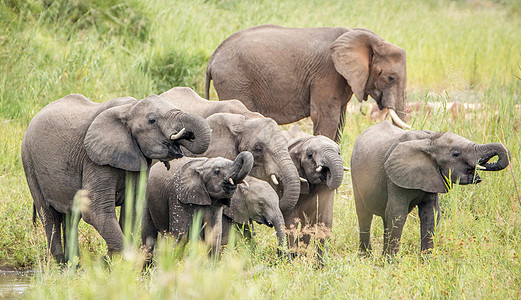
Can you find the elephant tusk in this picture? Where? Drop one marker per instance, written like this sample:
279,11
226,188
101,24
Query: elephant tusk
397,119
319,169
231,181
346,169
274,179
303,179
175,136
480,167
245,183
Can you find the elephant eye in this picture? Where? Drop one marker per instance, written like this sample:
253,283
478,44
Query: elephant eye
310,155
455,154
151,121
391,78
217,171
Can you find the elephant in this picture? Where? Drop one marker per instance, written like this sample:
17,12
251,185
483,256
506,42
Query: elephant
291,73
393,171
254,201
233,133
192,185
74,143
320,166
189,101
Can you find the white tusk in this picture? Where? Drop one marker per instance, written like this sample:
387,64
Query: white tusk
174,137
346,168
245,183
397,119
231,181
303,179
480,167
274,179
319,169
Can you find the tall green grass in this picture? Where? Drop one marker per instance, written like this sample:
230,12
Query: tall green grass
464,51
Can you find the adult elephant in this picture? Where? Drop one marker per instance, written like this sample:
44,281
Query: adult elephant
394,170
189,101
318,162
74,144
291,73
233,133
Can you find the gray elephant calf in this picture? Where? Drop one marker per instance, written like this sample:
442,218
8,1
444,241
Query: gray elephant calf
320,167
74,143
395,170
257,202
191,185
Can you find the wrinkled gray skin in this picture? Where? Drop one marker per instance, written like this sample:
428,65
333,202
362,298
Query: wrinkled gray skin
192,185
74,144
291,73
188,101
317,193
232,133
394,170
257,202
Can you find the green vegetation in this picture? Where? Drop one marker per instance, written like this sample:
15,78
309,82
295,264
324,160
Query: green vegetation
464,51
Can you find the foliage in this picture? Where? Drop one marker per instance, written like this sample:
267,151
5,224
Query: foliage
465,51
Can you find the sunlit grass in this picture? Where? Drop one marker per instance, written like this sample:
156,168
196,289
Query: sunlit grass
465,51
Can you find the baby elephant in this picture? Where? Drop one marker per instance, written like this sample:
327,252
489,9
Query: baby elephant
395,170
257,201
191,185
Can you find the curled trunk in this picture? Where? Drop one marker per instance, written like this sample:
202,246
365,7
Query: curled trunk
197,135
334,163
488,151
241,166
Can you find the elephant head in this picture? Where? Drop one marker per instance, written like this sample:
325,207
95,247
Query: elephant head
430,162
257,201
232,133
128,136
317,159
373,67
207,180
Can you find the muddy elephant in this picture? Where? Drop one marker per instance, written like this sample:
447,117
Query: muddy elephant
233,133
395,170
190,102
254,201
190,186
74,144
291,73
321,170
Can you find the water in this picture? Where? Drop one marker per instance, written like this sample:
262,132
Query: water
13,284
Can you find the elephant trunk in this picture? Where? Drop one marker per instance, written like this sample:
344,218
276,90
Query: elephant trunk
290,182
280,228
488,151
241,166
333,162
193,133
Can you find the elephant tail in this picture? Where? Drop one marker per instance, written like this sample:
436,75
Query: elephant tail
207,83
34,214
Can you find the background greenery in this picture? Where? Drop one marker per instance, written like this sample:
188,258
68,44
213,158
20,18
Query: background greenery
467,51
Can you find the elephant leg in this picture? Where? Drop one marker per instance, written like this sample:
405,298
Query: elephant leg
429,211
52,222
101,212
328,96
342,119
394,219
148,232
365,220
213,227
325,199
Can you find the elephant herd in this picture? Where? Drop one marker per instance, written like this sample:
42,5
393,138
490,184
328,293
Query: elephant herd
230,161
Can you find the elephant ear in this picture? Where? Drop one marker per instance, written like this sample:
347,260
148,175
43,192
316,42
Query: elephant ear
352,54
109,142
237,210
227,130
297,151
410,166
188,185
